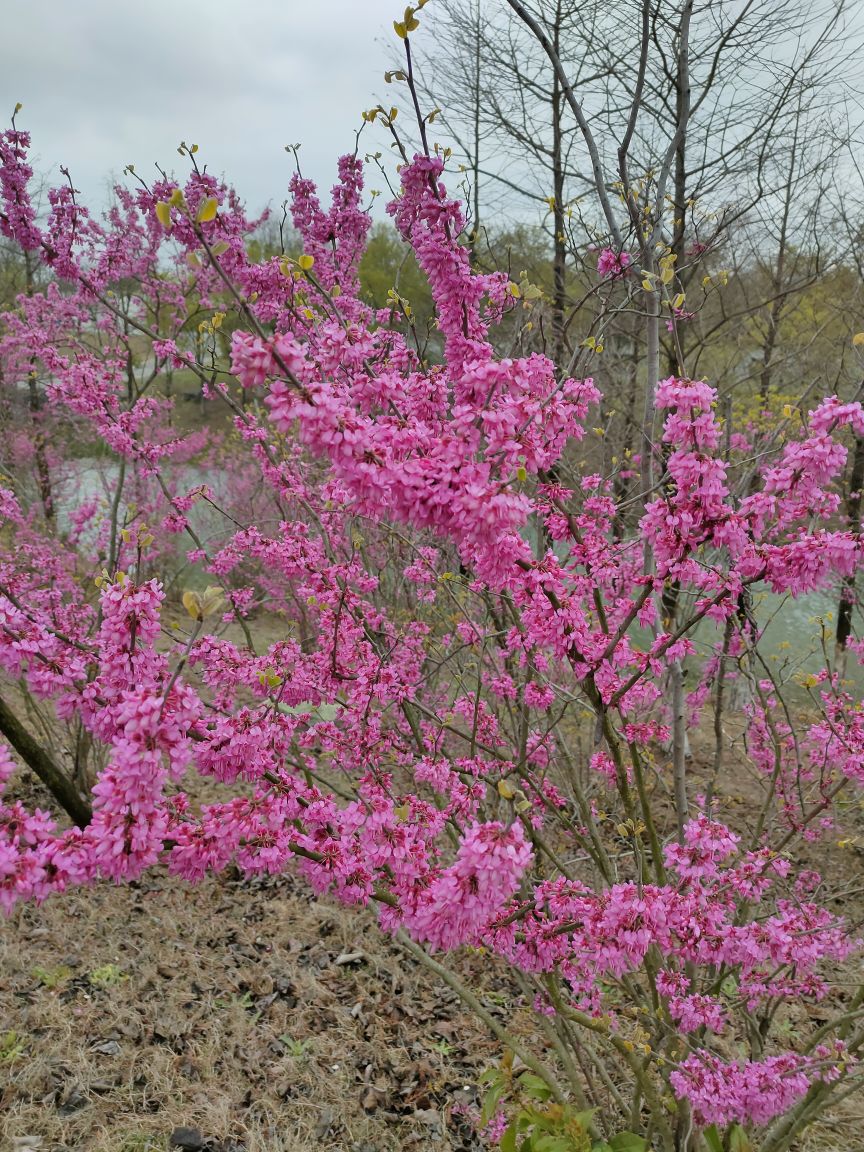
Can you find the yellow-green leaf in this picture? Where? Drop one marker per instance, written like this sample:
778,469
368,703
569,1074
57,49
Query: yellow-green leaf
212,600
207,210
306,261
192,604
163,213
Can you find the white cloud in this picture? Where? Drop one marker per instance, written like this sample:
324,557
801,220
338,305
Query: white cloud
105,83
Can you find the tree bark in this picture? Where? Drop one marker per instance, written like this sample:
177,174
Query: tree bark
52,776
853,521
43,473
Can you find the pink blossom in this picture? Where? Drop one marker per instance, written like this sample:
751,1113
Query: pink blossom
612,265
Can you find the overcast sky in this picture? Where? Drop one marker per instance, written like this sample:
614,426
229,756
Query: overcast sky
105,83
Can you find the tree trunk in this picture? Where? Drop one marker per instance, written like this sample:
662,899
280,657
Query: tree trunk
43,474
848,597
50,773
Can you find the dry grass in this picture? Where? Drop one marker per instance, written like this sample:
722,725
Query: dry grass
138,1010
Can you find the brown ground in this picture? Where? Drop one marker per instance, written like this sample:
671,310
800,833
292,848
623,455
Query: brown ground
245,1009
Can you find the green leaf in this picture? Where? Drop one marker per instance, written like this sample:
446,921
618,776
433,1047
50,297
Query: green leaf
192,604
489,1075
713,1139
490,1103
601,1146
106,976
163,213
508,1140
534,1086
549,1143
739,1140
628,1142
52,977
207,210
583,1119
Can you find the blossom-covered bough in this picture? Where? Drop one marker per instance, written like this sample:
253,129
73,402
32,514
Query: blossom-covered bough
447,613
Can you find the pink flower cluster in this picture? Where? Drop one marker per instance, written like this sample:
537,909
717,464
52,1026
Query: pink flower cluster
612,265
461,902
752,1091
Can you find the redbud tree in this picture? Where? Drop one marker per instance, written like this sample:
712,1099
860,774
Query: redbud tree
435,665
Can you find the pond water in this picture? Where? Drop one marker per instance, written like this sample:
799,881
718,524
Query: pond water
95,480
794,627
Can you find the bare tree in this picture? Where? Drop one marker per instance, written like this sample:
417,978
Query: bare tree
639,121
